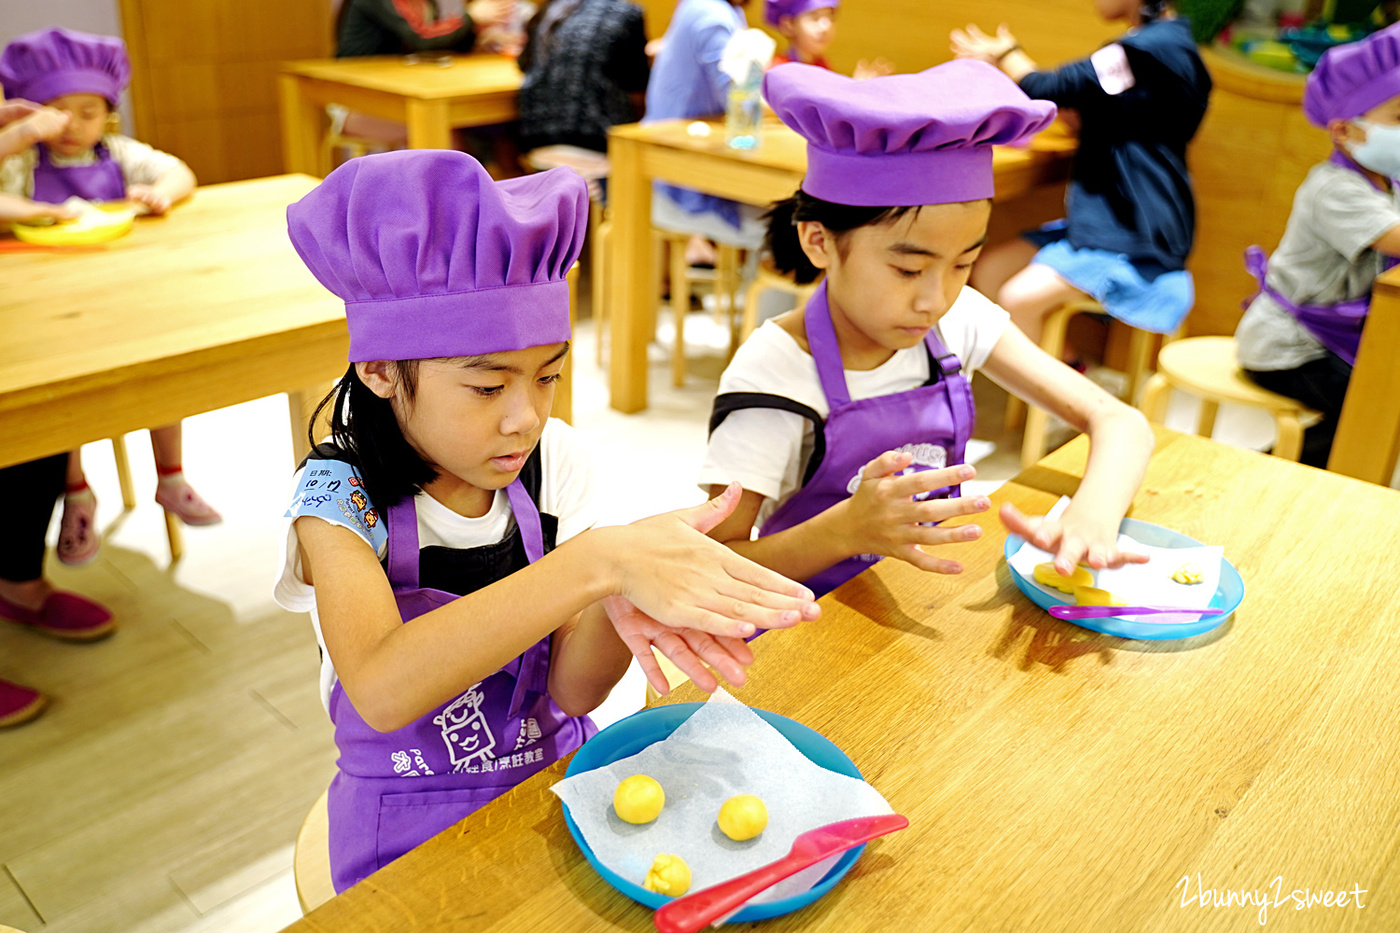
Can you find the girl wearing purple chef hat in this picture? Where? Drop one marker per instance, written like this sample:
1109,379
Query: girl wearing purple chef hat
82,76
809,26
1130,216
447,499
1300,334
846,421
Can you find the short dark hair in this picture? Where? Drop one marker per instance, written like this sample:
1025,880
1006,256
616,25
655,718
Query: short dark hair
783,244
366,430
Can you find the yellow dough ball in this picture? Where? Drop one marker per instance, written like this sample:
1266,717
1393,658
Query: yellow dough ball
1187,574
1046,575
1093,596
743,817
639,799
669,875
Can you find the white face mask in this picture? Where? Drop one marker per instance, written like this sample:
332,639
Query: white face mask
1381,150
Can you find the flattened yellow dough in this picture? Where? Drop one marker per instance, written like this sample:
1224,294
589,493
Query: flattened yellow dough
1188,574
1047,575
639,799
669,875
743,816
1093,596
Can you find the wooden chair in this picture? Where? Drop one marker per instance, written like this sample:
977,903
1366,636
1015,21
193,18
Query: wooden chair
172,523
311,859
725,281
769,279
1052,341
354,144
1206,367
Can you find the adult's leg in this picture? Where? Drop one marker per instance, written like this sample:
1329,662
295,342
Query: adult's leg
1319,384
33,490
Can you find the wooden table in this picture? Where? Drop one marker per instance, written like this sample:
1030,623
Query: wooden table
476,90
1368,435
1054,778
206,307
640,154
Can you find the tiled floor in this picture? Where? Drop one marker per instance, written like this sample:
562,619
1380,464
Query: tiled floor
164,788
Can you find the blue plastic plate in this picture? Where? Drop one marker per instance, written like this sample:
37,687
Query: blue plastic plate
1227,598
629,736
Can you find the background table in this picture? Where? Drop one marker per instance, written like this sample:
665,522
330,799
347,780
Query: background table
640,154
1368,435
477,90
206,307
1054,778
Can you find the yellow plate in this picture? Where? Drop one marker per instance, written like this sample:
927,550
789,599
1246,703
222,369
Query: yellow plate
97,225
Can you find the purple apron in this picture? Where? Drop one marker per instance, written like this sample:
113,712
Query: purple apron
1336,326
394,790
101,181
932,421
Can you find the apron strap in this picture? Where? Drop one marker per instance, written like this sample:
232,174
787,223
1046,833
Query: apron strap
532,676
527,518
729,402
401,524
826,351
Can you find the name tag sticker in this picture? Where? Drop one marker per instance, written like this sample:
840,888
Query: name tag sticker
1111,65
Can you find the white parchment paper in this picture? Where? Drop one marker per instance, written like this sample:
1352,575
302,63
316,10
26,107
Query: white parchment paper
724,749
1148,584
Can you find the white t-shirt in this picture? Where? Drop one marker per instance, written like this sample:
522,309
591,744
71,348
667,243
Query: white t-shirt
566,492
140,164
766,450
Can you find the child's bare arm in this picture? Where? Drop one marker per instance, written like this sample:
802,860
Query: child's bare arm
1388,242
173,186
16,209
1120,443
25,124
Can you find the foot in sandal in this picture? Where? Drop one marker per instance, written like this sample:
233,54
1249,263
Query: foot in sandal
78,540
177,496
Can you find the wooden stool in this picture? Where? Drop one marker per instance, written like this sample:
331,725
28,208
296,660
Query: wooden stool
172,522
311,859
1052,341
769,279
725,281
1206,367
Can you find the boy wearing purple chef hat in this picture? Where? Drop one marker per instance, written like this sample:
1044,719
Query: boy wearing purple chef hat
469,614
82,76
1300,333
846,422
809,26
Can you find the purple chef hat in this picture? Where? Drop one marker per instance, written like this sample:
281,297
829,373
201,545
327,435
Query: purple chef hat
51,63
903,139
1351,79
775,10
435,259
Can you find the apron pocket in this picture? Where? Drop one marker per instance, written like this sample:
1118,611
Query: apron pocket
405,820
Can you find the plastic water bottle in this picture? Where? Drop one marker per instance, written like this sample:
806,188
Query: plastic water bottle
743,117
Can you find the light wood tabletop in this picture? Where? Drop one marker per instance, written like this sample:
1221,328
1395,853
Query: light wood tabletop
428,98
1368,434
639,154
1054,778
206,307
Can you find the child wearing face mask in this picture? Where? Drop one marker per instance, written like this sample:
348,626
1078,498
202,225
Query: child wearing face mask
1301,331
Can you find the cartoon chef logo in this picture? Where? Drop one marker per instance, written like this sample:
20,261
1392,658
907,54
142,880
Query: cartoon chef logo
926,456
465,730
358,499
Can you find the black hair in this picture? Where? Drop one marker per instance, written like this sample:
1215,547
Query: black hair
366,431
1152,10
781,240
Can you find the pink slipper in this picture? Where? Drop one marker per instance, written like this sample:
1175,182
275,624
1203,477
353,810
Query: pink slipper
78,540
179,498
65,615
19,704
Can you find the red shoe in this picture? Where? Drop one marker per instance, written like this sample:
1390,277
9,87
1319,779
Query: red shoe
65,615
19,704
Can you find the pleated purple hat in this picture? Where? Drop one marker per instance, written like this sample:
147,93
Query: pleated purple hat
51,63
775,10
434,258
1351,79
900,140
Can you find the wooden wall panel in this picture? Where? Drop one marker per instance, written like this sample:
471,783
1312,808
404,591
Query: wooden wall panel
204,77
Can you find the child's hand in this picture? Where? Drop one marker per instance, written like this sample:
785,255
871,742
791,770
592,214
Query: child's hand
14,108
31,211
148,196
487,13
974,43
688,649
669,570
878,68
884,518
1074,539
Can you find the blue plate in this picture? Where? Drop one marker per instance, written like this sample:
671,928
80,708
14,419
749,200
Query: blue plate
1227,598
629,736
